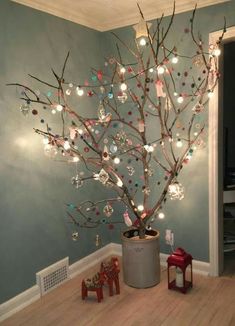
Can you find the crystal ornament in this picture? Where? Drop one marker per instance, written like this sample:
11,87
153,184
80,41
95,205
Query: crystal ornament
122,97
108,210
103,117
176,191
113,148
103,176
77,181
25,108
130,169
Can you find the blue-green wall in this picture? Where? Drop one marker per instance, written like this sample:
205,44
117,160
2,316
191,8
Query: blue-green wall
34,232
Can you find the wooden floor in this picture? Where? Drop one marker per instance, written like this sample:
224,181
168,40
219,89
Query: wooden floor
210,302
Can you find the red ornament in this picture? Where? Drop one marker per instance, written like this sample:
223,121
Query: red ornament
99,75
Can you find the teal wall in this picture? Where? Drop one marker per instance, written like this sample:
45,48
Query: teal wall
34,232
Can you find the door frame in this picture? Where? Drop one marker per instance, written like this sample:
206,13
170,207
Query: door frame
215,171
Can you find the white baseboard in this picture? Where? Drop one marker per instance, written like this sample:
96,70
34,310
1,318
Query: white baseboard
27,297
19,302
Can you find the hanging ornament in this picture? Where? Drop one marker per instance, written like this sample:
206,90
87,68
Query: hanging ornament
198,108
146,191
103,176
108,210
168,104
103,117
150,172
130,170
113,148
73,133
159,88
100,74
127,219
97,240
105,153
141,28
75,236
77,181
122,97
198,61
176,191
25,108
141,126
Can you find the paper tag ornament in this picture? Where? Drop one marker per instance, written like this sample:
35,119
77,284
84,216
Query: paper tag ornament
105,153
127,219
159,88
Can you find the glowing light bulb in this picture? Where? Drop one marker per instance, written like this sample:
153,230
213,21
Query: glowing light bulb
140,208
180,99
123,86
123,70
66,145
151,70
161,215
210,94
116,160
160,70
53,111
119,183
79,91
68,91
175,59
76,159
216,52
179,143
142,41
59,107
175,93
45,141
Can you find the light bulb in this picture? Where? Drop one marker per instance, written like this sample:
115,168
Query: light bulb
66,145
116,160
210,94
216,52
175,59
179,143
68,91
123,70
140,208
119,183
161,215
75,159
45,141
53,111
123,86
180,99
79,91
59,107
142,41
151,70
160,70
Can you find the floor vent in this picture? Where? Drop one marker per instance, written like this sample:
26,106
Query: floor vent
52,276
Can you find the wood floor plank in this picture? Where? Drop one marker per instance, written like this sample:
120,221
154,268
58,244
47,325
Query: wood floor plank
210,302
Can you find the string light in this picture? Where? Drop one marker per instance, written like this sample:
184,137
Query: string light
116,160
160,70
79,91
180,99
179,143
175,59
161,215
210,94
140,208
123,86
66,145
59,107
142,41
216,52
122,70
151,70
45,141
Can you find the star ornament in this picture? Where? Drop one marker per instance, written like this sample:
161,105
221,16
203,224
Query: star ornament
141,28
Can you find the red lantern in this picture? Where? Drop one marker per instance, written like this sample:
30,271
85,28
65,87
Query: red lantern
180,260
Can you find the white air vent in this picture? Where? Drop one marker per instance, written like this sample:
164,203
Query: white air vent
52,276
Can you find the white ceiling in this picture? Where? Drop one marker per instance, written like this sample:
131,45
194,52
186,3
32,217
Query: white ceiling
104,15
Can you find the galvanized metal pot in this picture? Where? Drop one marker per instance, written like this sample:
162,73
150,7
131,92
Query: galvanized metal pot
141,261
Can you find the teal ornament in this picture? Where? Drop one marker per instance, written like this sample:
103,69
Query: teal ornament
94,77
49,94
103,221
115,125
71,206
110,95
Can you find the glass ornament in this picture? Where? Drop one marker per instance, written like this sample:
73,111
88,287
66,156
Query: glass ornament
103,117
25,108
103,176
176,191
110,95
130,169
113,148
122,97
105,153
75,236
108,210
97,240
77,181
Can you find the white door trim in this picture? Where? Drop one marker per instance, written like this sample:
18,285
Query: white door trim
213,117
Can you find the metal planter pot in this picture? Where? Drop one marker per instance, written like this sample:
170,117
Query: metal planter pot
141,261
